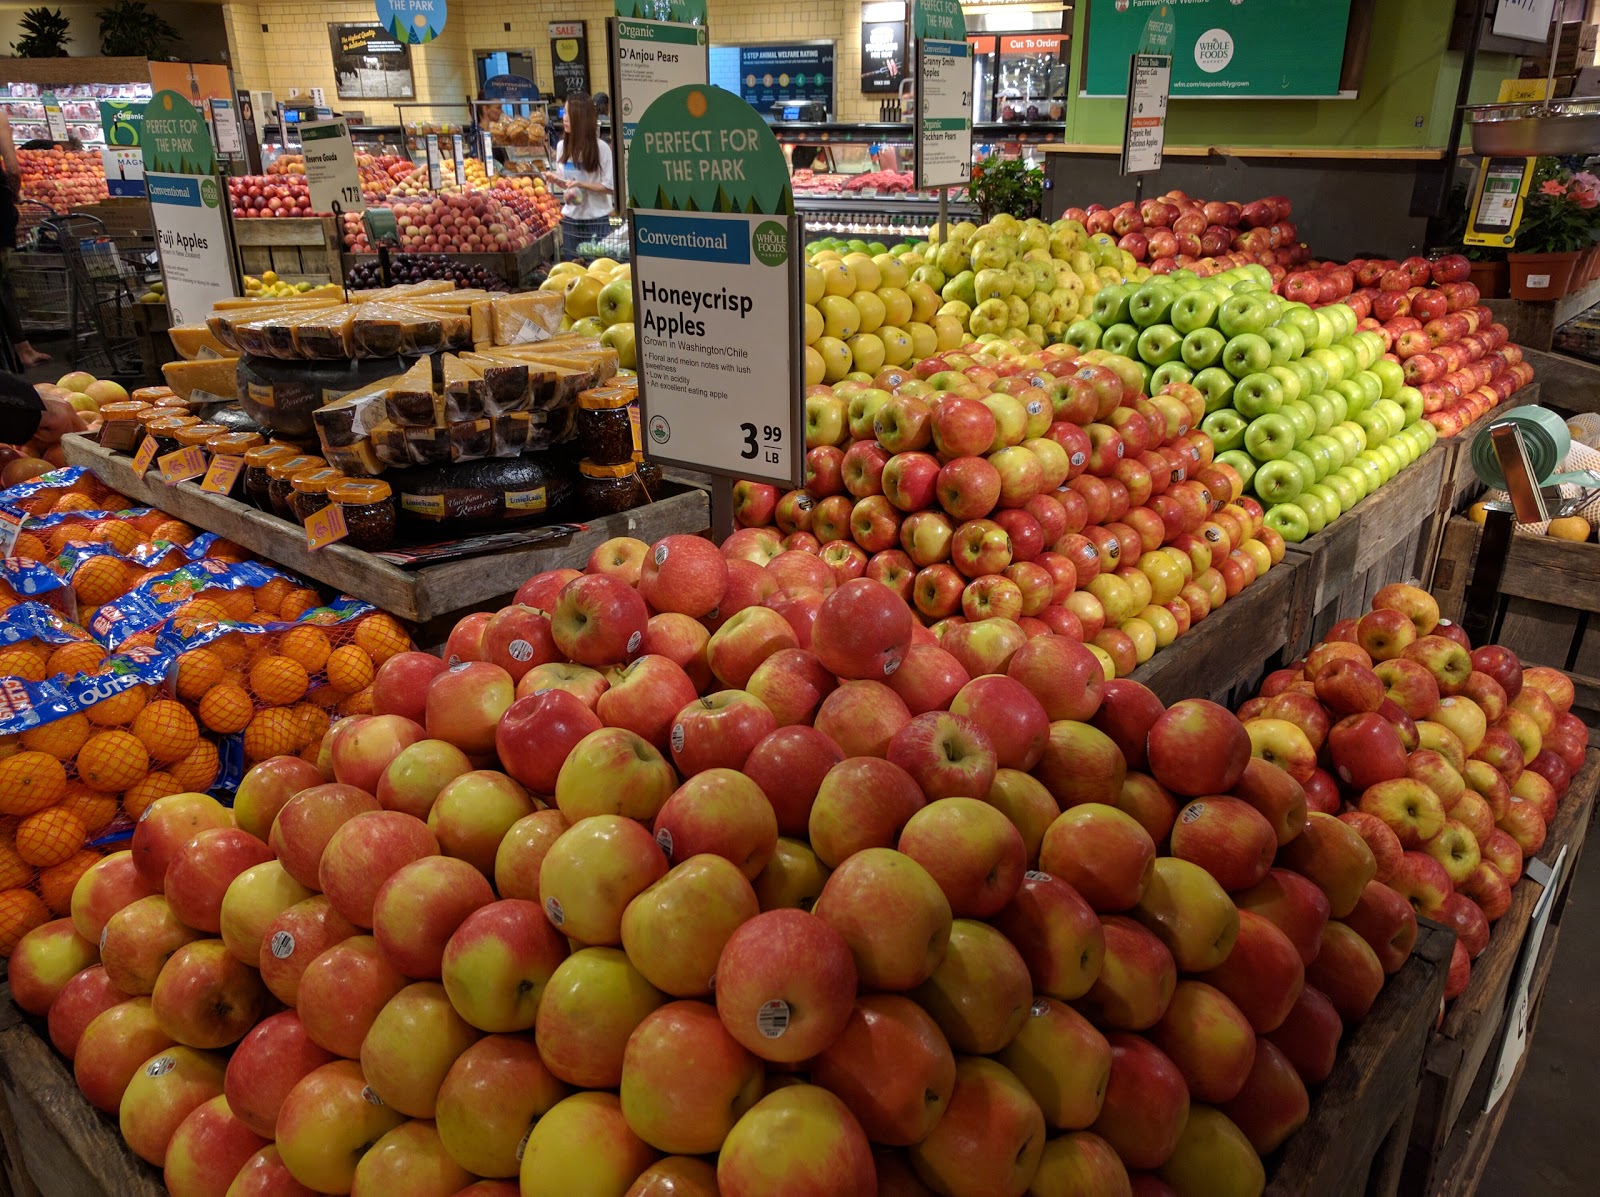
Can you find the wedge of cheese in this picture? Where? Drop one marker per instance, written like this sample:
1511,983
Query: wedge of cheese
215,376
191,339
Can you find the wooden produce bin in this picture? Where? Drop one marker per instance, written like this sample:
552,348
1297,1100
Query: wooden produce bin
418,594
1549,597
1355,1139
1453,1135
297,248
1533,322
518,269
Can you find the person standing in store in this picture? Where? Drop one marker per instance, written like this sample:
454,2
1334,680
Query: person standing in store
586,176
10,189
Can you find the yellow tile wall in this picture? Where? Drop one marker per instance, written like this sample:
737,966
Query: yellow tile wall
295,53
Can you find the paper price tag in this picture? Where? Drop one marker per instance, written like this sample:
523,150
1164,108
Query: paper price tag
222,474
326,527
145,456
10,529
183,465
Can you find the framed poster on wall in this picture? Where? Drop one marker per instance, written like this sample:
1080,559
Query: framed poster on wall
771,77
368,64
883,56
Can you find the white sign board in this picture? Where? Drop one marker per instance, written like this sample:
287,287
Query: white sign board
1528,19
331,173
944,113
192,233
458,155
1515,1042
435,179
652,57
225,127
714,311
1145,134
122,163
53,117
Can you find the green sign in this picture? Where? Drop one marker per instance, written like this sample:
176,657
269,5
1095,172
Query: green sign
175,139
941,19
702,149
1221,49
684,12
121,121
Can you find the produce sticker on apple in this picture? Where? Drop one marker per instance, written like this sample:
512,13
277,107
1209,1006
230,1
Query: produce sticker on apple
715,278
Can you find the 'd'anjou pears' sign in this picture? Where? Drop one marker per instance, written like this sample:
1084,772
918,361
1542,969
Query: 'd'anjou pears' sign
703,149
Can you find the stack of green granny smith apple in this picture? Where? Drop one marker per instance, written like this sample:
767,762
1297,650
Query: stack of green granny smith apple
699,875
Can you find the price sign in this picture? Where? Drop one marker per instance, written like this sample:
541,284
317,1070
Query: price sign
325,527
944,113
183,465
222,474
652,58
458,151
53,118
486,146
435,179
331,173
1144,135
225,123
145,457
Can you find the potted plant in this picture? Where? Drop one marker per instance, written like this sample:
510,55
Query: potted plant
1559,224
129,29
44,34
1006,185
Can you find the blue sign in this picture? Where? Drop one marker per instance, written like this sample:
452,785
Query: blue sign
510,87
412,22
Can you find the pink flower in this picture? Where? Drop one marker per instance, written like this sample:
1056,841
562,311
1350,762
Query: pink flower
1585,192
1553,187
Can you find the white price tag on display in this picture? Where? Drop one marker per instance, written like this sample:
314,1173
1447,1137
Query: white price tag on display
944,113
1144,135
225,124
330,159
714,298
652,58
435,179
1520,1007
458,151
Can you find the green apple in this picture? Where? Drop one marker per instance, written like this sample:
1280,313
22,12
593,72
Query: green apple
1225,427
621,337
1202,347
1288,380
1341,406
1257,394
1374,425
1323,406
1242,312
1332,504
1316,513
1366,463
1304,417
1111,305
1347,358
1242,462
1323,459
1289,521
1393,413
1302,463
1330,362
1327,331
1371,385
1269,437
1216,384
1302,318
1169,372
1121,339
1246,353
1340,484
1148,305
1284,343
1192,310
1158,344
1083,335
1394,458
1313,377
1277,482
1353,394
1356,430
1410,401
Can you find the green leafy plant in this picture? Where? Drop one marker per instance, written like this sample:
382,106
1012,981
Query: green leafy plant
128,29
44,34
1006,185
1561,213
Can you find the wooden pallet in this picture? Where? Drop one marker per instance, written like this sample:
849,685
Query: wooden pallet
1360,1119
297,248
420,595
1549,598
52,1142
1453,1136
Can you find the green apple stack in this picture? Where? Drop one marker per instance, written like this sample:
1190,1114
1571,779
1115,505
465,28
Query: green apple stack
1306,408
597,301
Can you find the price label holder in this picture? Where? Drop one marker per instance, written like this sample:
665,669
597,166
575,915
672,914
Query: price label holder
435,176
330,160
943,113
325,527
486,146
382,229
183,465
1144,131
10,529
145,457
458,151
222,474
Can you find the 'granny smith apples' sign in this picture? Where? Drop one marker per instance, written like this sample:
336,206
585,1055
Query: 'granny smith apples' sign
186,202
716,275
941,19
412,22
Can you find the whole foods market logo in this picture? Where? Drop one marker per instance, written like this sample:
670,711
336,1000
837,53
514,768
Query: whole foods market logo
1213,51
770,243
208,192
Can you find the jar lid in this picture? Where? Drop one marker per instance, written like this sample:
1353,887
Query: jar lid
264,455
169,425
590,470
235,444
199,434
359,492
286,467
603,398
124,411
151,394
316,480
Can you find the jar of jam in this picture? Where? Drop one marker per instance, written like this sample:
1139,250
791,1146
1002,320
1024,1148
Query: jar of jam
166,429
121,430
151,394
199,434
280,480
368,507
605,430
650,476
309,491
609,489
256,462
234,444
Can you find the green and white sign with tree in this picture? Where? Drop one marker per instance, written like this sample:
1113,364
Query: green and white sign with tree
716,279
186,201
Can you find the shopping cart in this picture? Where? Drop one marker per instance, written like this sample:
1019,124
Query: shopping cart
105,277
38,274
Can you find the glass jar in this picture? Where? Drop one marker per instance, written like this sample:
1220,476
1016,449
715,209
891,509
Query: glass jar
280,480
152,394
165,430
368,507
605,430
199,434
256,462
309,493
234,444
650,476
609,489
120,430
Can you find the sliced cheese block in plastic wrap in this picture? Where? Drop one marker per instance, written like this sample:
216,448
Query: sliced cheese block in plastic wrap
483,495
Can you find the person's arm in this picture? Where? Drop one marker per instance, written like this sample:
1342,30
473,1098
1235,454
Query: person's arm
8,148
21,411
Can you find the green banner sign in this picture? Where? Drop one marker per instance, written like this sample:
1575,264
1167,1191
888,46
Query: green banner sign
685,12
1221,49
941,19
702,149
175,138
121,121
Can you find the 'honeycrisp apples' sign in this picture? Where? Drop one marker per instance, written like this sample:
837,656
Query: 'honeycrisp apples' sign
186,204
716,275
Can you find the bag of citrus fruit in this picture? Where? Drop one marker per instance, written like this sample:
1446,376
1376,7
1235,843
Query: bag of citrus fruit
155,598
39,496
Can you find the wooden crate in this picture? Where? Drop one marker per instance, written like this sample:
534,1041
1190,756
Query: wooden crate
518,268
420,594
1452,1136
1549,595
1355,1139
1533,322
298,248
53,1143
1568,383
1380,540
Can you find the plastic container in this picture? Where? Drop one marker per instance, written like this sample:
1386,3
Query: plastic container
256,462
198,434
368,507
234,444
120,429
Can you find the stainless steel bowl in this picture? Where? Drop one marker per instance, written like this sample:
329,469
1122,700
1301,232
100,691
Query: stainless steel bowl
1527,130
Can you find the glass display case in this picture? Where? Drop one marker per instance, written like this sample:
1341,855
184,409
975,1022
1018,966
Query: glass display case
376,140
1020,78
78,104
519,128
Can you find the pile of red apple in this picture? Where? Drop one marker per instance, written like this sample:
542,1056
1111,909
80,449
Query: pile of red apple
62,179
1452,348
282,191
463,222
1206,236
650,887
1045,489
1447,761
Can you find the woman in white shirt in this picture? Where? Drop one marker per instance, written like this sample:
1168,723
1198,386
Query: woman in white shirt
585,175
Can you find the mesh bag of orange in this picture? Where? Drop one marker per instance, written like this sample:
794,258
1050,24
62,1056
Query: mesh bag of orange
272,684
44,494
87,742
